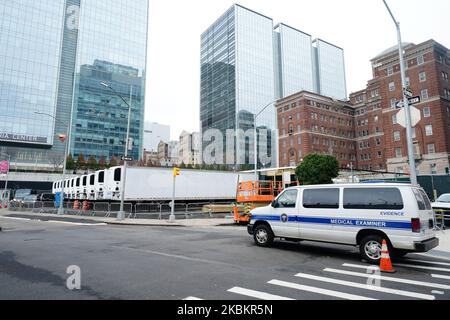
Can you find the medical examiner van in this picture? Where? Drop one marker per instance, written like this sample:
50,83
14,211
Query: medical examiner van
353,214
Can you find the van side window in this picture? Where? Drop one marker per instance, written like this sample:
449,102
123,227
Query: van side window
373,199
288,199
101,177
422,200
92,181
84,181
321,199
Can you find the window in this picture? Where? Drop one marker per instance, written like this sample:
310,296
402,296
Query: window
398,153
390,71
422,77
397,136
392,86
431,149
424,94
408,82
394,119
375,118
420,60
101,177
426,112
444,76
92,180
393,103
321,199
288,199
373,199
433,167
429,130
422,200
379,154
84,181
299,140
378,141
78,182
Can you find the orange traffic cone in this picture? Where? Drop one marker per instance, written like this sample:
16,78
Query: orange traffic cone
386,264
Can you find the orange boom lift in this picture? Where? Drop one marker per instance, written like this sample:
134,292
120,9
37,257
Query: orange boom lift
256,194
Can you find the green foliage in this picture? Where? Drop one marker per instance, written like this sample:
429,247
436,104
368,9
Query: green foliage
317,169
113,162
70,165
92,163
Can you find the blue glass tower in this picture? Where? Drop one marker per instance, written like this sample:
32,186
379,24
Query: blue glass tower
53,56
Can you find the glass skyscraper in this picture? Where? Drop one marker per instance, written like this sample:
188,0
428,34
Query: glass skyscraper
237,82
247,63
53,56
330,70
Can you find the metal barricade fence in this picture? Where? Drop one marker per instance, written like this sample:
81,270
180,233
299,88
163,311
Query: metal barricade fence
115,208
101,207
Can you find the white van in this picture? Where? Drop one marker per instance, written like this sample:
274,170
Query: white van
90,188
352,214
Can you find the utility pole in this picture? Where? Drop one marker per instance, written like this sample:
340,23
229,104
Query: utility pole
121,213
5,202
411,158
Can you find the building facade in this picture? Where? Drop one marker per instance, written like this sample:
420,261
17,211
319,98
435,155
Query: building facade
154,133
247,63
237,81
311,123
189,148
382,140
53,56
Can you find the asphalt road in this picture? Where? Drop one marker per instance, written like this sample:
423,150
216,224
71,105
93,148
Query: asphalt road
222,263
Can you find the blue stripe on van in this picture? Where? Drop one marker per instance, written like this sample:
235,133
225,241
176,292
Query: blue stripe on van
360,223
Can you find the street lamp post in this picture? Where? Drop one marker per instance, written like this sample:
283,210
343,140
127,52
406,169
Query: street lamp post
66,151
255,133
351,169
412,160
121,213
5,202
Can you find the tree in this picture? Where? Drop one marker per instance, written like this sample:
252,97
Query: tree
183,165
102,163
81,163
113,162
70,164
92,163
317,169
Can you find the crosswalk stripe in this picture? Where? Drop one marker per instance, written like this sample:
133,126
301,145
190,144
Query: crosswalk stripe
391,279
358,266
440,276
331,293
438,292
428,262
192,299
421,267
257,294
367,287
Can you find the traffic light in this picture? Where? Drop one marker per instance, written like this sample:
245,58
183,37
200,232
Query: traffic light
176,172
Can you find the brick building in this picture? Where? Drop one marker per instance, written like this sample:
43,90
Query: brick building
311,123
365,130
381,141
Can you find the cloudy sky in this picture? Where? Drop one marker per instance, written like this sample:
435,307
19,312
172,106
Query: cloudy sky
362,27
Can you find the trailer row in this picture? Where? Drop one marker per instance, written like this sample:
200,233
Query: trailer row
151,184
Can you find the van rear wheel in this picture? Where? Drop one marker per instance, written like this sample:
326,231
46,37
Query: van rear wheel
370,249
263,236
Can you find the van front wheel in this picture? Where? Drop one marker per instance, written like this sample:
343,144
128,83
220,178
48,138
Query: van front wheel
370,249
263,236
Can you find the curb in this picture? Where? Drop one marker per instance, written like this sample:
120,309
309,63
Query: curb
144,225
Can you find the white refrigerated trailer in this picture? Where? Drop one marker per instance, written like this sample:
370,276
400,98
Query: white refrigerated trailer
155,185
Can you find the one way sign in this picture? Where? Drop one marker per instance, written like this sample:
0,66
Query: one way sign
412,101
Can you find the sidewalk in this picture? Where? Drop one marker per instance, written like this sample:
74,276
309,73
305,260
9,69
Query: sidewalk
443,251
207,222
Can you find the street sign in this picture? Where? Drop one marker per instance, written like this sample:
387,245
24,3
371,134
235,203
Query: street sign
127,159
416,116
408,92
412,101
